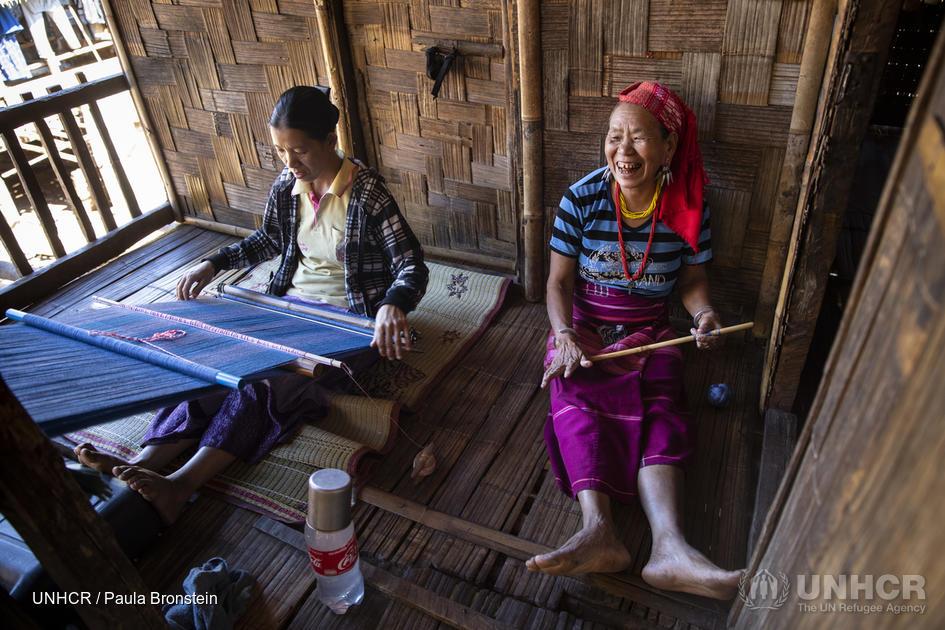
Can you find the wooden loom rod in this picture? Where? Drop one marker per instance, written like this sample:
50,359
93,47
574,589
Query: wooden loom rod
529,44
672,342
269,300
224,332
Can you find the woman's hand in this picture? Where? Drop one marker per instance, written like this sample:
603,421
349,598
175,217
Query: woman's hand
706,321
195,280
391,333
567,358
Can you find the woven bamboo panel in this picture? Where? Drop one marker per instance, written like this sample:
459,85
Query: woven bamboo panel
735,63
210,72
446,160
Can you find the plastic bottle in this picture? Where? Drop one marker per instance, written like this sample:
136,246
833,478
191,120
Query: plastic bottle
332,546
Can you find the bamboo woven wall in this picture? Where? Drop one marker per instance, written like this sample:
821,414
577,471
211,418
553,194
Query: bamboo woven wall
210,72
735,62
448,160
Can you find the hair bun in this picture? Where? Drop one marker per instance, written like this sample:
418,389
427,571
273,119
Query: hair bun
308,109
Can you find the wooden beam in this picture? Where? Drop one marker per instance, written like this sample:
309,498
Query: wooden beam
776,449
126,190
809,83
47,280
34,191
854,70
56,520
100,198
337,53
689,608
63,100
65,181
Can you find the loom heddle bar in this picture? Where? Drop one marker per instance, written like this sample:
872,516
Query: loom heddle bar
154,357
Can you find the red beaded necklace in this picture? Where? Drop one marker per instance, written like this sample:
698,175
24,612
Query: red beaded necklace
623,252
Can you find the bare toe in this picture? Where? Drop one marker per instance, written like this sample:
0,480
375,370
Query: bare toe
89,456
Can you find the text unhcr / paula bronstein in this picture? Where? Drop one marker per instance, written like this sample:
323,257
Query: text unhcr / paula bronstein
77,598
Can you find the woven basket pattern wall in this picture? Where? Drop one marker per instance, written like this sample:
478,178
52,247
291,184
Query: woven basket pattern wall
735,62
447,159
210,72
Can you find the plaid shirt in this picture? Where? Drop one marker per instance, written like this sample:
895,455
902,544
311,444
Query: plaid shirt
383,259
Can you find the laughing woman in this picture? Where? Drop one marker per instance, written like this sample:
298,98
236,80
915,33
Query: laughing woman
624,237
343,242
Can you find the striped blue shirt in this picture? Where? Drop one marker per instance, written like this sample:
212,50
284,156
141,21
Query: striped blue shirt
586,228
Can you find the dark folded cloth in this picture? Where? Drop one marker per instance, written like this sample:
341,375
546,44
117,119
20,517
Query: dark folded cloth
229,591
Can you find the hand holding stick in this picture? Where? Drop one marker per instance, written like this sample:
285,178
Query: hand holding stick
671,342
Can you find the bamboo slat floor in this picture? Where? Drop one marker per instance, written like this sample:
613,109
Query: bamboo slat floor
486,420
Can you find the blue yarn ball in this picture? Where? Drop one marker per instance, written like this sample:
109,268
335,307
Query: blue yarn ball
719,394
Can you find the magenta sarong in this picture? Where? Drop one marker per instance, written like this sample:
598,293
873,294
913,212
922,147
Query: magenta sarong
609,420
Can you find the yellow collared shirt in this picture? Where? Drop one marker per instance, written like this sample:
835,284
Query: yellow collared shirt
321,238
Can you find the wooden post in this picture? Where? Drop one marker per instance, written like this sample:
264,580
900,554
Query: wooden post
20,261
34,191
334,44
65,181
126,190
855,68
793,175
533,215
89,169
142,110
54,517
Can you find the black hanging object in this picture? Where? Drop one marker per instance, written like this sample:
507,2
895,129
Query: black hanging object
438,64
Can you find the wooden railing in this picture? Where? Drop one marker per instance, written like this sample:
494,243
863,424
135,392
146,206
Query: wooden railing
35,112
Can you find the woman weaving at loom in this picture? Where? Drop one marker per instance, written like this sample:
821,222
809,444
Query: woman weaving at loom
623,237
343,243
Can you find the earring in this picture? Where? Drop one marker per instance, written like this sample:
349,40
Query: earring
666,174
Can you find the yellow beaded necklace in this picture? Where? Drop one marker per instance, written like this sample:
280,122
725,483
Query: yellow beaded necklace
630,215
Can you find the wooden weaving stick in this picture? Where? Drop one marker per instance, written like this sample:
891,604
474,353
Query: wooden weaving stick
268,300
671,342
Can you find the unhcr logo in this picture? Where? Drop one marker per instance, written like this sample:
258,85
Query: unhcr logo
764,590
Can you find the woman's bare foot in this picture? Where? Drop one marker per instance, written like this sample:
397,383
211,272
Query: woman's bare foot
594,549
166,495
676,566
90,456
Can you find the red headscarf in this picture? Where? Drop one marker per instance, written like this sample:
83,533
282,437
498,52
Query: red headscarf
681,203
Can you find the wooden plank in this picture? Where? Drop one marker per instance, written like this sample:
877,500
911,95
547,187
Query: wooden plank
100,200
65,180
59,273
848,97
49,105
71,541
34,191
780,438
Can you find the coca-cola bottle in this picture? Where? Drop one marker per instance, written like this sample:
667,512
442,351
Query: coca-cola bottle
332,546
